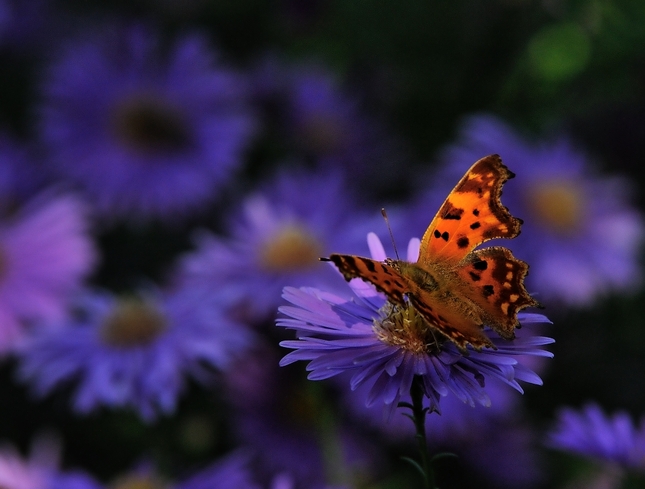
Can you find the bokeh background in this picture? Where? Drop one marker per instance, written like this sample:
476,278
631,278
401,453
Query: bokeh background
168,166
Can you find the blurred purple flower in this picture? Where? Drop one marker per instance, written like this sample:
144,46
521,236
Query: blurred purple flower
580,235
338,335
276,240
25,24
230,472
45,252
145,132
132,352
19,177
496,441
324,123
590,433
32,473
275,407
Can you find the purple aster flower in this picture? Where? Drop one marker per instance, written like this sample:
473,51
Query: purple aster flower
144,131
590,433
276,240
45,252
133,352
385,346
580,235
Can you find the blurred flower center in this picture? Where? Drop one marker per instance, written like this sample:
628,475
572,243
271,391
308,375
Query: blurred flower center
151,125
405,328
322,135
557,205
138,481
132,323
290,249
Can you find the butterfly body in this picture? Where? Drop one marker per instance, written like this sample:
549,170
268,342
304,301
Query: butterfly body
456,288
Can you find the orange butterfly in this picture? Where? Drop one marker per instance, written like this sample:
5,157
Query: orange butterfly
454,287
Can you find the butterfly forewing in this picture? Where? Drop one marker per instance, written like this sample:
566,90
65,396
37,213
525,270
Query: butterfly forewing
384,277
471,215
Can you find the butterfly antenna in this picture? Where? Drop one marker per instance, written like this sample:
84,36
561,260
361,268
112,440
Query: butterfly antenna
387,222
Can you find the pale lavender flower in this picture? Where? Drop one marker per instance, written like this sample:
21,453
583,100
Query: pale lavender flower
45,252
34,472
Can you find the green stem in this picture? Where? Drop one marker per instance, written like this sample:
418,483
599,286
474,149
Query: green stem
419,418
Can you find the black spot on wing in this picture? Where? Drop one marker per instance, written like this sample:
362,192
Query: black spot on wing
451,212
370,266
476,212
480,265
437,234
463,242
475,225
488,290
445,236
476,277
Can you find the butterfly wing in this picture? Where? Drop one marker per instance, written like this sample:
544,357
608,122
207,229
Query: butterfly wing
452,323
458,327
384,277
497,283
471,215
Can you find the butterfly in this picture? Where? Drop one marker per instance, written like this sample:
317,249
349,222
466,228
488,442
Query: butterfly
456,288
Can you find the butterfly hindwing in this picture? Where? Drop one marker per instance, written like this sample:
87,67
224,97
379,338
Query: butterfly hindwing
461,329
496,278
471,215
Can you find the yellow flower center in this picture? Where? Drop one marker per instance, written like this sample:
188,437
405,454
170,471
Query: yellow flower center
138,481
150,125
404,327
557,205
132,323
290,249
